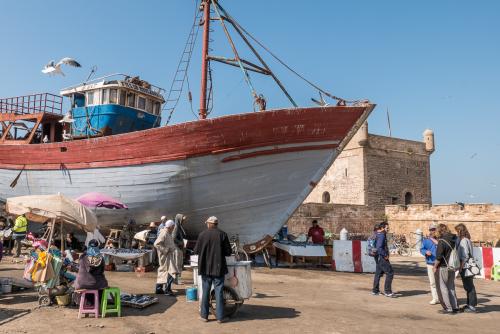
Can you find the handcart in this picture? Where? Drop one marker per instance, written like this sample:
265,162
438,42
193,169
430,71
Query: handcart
237,284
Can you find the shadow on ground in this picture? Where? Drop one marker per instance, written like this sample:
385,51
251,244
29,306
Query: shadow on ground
409,293
18,298
8,315
261,312
263,295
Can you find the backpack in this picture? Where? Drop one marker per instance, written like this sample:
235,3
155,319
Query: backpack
453,262
371,247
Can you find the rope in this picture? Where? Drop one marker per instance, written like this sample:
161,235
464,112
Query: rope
236,56
286,66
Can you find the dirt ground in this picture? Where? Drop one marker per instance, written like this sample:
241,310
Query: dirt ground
284,301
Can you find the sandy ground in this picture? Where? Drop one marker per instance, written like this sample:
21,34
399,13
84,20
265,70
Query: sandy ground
284,301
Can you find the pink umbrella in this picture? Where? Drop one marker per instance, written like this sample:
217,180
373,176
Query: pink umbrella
98,200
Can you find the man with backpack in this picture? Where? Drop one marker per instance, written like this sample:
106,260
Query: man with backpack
382,261
444,269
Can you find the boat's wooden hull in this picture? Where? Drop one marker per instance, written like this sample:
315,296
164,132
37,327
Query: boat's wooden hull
251,170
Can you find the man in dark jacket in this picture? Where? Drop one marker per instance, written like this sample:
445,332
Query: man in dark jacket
212,247
382,261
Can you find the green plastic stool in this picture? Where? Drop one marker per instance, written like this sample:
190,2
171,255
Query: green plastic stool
495,272
116,307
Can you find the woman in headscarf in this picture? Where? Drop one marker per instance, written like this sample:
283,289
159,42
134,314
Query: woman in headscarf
91,269
179,235
167,270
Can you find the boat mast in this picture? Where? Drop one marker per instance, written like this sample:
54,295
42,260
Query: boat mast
204,59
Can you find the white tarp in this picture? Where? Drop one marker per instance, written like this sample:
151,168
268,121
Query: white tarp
40,208
307,250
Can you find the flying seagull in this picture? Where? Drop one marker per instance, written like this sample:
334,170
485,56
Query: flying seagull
52,68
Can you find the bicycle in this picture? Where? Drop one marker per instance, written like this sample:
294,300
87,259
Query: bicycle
237,250
399,245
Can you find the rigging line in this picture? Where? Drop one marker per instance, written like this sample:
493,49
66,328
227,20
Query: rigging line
288,67
266,67
190,98
210,106
236,56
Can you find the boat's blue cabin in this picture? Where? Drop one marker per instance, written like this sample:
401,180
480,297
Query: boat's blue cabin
112,105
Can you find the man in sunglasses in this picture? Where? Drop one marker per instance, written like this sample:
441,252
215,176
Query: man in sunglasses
429,246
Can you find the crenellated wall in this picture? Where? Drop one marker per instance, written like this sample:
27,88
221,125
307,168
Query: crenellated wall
482,220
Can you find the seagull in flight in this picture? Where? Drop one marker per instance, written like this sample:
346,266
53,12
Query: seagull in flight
52,68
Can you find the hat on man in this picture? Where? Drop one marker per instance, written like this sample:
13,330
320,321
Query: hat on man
169,223
163,218
432,226
212,220
152,224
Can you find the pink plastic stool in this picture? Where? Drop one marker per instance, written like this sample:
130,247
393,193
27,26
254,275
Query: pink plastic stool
85,309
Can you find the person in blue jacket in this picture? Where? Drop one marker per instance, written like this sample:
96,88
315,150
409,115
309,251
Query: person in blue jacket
428,249
382,261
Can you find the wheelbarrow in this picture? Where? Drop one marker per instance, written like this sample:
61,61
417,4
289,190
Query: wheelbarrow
237,285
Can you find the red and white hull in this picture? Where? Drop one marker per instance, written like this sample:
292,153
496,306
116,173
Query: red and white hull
250,170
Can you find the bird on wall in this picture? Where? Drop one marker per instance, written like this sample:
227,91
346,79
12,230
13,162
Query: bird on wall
53,69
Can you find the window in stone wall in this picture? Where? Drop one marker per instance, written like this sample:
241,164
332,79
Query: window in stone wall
394,200
326,197
408,198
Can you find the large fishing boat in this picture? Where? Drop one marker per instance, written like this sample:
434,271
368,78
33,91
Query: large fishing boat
251,170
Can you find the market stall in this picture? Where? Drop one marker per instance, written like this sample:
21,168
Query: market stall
47,267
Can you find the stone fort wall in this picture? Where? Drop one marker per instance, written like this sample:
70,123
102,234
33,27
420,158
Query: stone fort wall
482,220
358,219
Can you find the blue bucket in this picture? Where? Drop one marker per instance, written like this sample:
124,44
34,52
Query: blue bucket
192,294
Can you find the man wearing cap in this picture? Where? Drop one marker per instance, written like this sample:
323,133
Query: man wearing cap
167,269
212,247
428,249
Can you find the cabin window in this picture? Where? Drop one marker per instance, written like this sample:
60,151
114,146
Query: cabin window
149,106
91,98
141,102
105,96
156,110
113,96
123,95
131,99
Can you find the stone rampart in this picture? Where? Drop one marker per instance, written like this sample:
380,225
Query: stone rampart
357,219
482,220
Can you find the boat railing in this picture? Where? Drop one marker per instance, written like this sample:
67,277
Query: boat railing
110,77
31,104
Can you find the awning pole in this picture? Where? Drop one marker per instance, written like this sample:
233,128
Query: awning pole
52,226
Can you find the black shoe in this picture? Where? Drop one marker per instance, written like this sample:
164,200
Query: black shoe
159,289
469,309
169,293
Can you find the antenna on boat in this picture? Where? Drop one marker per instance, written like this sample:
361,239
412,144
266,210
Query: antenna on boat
93,71
389,122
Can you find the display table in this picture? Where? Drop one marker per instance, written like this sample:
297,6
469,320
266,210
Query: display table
288,251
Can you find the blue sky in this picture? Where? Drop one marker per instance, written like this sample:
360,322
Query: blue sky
433,64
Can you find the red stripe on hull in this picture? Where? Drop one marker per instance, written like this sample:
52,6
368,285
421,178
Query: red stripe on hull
277,151
198,138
